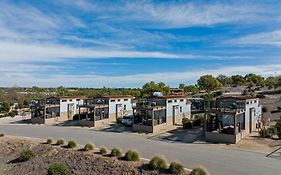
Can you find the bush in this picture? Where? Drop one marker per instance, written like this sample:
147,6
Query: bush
187,123
60,142
103,151
198,120
26,155
2,135
58,169
199,171
88,147
176,168
264,109
76,117
268,133
132,156
116,152
119,120
278,128
260,96
71,144
158,163
49,141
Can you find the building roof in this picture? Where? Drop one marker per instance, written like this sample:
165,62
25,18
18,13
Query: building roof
118,96
239,97
72,97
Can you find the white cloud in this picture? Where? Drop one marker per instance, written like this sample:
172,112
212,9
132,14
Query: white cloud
266,38
136,80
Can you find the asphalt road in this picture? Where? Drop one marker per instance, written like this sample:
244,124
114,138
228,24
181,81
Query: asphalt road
217,159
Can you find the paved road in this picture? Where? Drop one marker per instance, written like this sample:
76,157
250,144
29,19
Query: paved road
218,160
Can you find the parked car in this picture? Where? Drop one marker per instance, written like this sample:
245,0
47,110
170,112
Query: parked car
128,120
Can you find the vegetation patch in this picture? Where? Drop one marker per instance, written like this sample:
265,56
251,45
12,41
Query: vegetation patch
132,155
26,155
103,151
49,141
71,144
58,169
60,142
116,152
88,147
158,163
176,168
199,171
187,123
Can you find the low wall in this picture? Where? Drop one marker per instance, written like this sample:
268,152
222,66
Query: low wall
219,137
86,123
142,128
156,128
112,116
37,120
100,123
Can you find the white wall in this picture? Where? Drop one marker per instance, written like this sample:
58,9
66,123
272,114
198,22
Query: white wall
64,103
186,106
113,102
253,103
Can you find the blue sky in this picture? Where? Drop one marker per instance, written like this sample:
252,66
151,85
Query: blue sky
84,43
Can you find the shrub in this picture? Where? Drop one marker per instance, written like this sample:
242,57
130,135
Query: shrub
103,151
60,142
278,128
187,123
26,155
71,144
132,156
2,135
58,169
268,133
76,117
176,168
49,141
199,171
119,120
116,152
198,120
88,147
264,109
158,163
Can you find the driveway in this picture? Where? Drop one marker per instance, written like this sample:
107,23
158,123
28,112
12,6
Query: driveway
218,160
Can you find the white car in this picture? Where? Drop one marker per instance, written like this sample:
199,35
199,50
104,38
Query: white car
128,120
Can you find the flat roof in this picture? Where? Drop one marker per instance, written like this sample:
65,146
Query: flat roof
118,96
239,97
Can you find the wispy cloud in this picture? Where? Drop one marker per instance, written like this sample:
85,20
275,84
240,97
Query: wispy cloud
265,38
134,80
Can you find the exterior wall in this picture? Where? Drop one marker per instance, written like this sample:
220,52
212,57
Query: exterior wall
154,129
220,138
37,120
75,102
253,103
100,123
185,112
120,110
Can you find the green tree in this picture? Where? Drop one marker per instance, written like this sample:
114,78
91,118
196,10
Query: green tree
181,86
209,83
61,91
191,89
150,87
238,80
255,79
225,80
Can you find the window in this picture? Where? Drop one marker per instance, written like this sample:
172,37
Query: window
125,107
248,102
180,109
175,100
181,99
112,100
77,99
119,100
125,99
63,100
169,101
70,100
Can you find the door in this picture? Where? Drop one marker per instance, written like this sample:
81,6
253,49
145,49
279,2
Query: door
175,114
118,110
252,111
70,110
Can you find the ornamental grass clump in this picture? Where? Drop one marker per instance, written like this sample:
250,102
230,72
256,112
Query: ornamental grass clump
116,152
158,163
88,147
132,155
71,144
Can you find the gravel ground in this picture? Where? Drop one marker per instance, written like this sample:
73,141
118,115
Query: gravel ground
79,162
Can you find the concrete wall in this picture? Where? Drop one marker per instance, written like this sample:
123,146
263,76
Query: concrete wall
219,137
156,128
256,113
121,109
183,109
74,102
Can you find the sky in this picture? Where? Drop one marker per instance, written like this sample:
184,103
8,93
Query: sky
91,43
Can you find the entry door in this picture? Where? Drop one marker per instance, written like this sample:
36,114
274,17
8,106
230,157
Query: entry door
175,113
118,110
70,110
252,111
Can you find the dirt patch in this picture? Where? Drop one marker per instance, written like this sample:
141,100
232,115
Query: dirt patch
79,162
255,143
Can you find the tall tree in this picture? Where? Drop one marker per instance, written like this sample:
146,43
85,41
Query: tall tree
209,83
